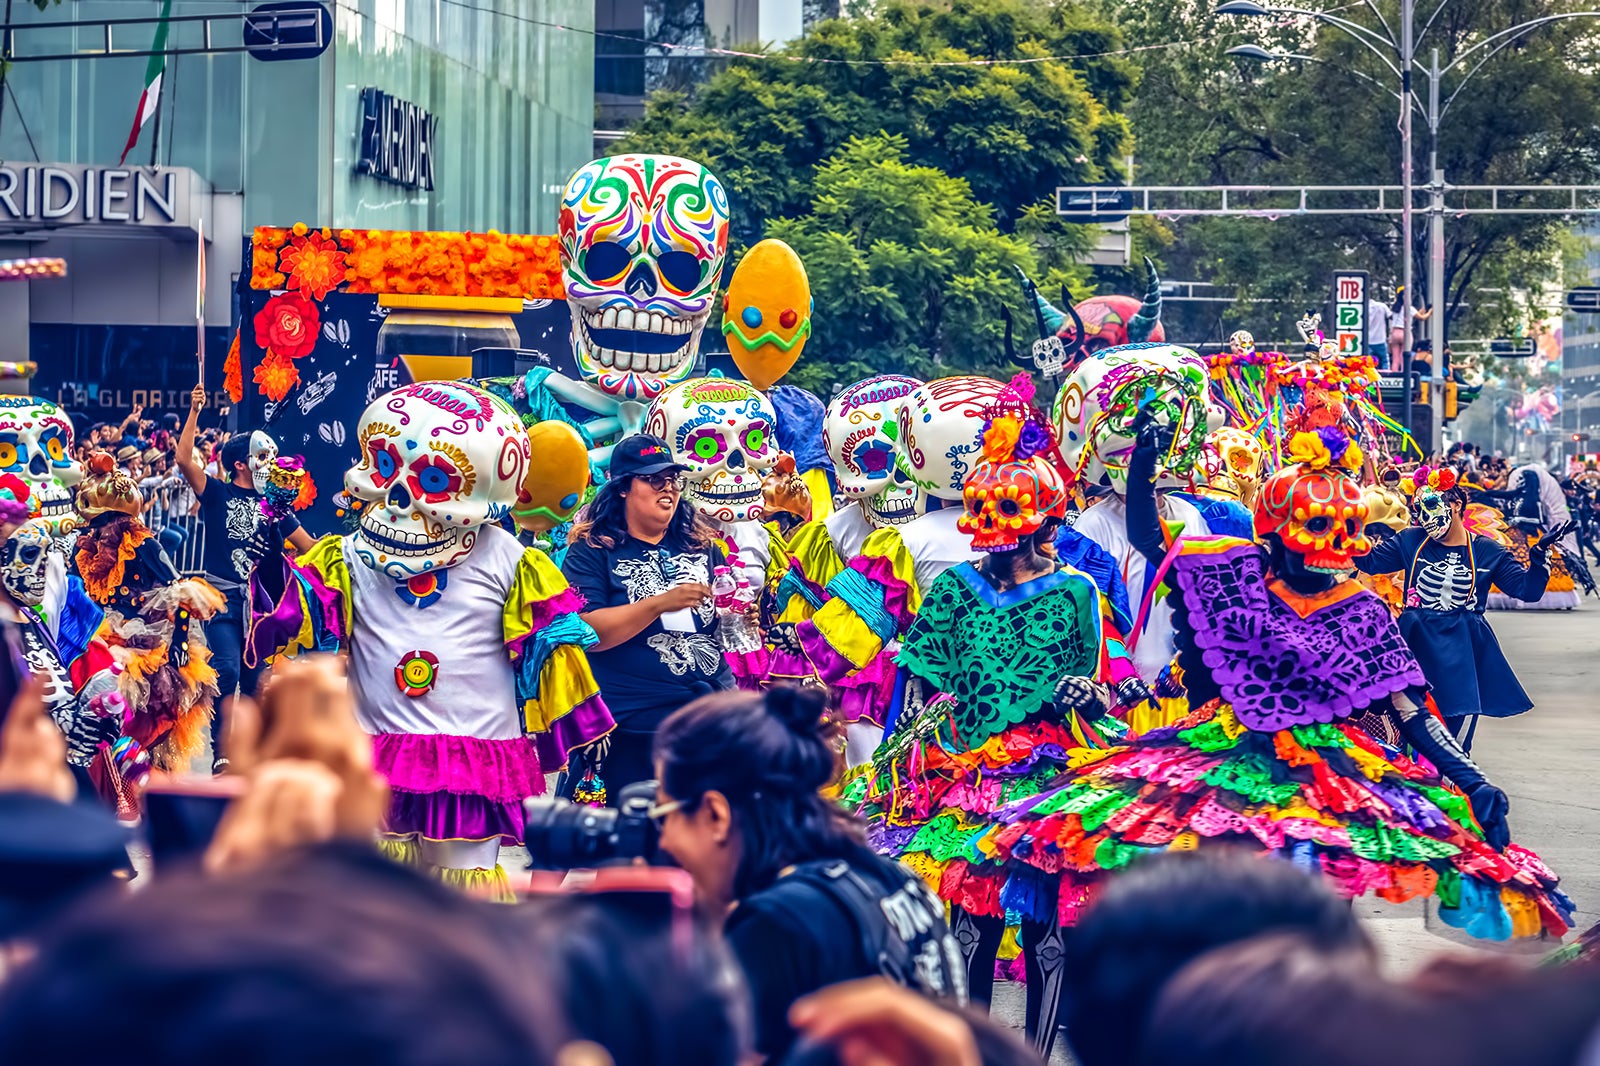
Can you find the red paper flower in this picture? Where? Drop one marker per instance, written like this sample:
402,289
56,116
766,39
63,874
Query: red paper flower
288,325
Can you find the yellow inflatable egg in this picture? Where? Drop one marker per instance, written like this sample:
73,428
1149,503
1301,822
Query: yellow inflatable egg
553,487
766,315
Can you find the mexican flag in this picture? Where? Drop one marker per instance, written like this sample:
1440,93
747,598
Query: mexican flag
150,99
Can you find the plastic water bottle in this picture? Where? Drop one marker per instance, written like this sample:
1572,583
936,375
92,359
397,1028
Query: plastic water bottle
722,588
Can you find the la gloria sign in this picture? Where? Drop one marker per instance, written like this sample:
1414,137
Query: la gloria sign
397,140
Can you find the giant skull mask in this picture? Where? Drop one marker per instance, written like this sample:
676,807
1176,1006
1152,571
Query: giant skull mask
439,459
721,430
860,432
263,457
643,238
941,432
25,559
1095,409
1318,514
36,446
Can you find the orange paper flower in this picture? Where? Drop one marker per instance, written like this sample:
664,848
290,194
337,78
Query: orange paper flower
314,264
276,375
232,374
308,492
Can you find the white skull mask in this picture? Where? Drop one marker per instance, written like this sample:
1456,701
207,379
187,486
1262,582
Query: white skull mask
722,432
25,558
941,432
263,455
643,239
36,446
439,459
1231,465
860,432
1095,409
1433,512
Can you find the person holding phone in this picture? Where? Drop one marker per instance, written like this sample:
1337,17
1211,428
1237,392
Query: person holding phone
643,561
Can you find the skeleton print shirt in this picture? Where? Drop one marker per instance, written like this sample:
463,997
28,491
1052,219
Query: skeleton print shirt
1440,577
647,677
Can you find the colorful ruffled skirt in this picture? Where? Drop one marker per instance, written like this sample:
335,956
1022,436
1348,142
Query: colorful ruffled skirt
457,789
1328,797
927,806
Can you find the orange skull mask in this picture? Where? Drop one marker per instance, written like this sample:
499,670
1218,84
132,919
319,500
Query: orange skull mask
1318,514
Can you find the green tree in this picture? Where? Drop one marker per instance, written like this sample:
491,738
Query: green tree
1530,116
908,270
1011,131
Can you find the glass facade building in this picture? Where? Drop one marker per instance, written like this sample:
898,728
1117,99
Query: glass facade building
508,86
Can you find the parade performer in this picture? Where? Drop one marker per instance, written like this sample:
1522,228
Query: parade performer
984,664
1536,506
1093,414
1447,571
1278,654
848,643
36,446
152,617
419,595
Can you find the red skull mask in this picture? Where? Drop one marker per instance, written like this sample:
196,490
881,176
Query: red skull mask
1319,514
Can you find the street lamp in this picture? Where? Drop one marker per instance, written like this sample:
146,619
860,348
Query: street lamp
1383,45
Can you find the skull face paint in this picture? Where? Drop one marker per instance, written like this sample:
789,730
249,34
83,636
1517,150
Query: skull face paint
722,432
643,239
1433,512
941,432
36,446
1318,514
439,459
860,432
24,562
263,457
1094,412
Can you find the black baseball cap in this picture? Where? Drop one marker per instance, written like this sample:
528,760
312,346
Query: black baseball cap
641,454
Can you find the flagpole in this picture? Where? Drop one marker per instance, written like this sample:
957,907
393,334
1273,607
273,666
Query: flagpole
200,301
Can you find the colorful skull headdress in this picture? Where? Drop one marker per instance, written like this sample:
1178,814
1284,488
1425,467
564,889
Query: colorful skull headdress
643,239
263,457
439,459
1316,507
859,432
36,446
24,562
722,431
941,432
1014,487
1231,464
1094,412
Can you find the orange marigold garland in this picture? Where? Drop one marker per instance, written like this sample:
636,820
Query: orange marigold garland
308,492
405,262
276,375
314,264
232,375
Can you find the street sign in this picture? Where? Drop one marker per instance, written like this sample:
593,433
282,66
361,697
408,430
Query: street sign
1093,205
1350,311
1513,348
298,29
1585,301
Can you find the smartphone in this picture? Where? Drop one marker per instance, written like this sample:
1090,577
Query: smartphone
181,814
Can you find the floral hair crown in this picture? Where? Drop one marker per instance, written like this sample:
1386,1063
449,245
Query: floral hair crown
1442,479
1324,448
1013,429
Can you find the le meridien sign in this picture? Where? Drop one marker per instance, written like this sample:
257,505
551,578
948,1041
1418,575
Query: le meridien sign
397,140
67,194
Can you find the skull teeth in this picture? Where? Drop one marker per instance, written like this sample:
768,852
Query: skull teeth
638,322
399,541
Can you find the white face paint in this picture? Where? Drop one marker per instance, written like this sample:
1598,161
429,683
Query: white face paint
1433,512
263,453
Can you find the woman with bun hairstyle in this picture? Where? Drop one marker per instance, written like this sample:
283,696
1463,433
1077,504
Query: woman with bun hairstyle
807,903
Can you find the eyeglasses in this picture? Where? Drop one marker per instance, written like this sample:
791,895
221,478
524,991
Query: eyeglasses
658,813
664,481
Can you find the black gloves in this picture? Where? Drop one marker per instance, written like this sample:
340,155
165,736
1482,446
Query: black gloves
1548,540
1082,694
1490,806
1427,735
